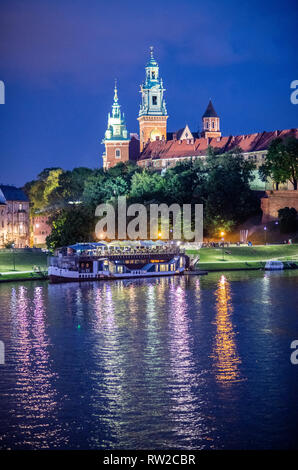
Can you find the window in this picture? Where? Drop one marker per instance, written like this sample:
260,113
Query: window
163,267
207,124
153,75
154,100
20,207
118,153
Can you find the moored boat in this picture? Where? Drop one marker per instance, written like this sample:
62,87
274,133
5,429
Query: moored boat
274,265
103,263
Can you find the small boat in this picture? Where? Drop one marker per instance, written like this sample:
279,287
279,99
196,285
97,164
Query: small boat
274,265
103,263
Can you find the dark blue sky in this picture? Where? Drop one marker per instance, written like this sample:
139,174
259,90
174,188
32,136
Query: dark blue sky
58,60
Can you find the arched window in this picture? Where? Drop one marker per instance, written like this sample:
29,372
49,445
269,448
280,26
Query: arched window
118,153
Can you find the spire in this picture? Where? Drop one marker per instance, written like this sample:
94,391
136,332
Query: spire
115,92
116,106
210,111
116,122
152,62
211,122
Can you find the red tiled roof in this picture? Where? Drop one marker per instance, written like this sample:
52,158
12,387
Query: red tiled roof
160,149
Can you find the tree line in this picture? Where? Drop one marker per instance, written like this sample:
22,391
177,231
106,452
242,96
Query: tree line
220,182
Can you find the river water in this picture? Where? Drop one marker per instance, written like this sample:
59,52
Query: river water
180,362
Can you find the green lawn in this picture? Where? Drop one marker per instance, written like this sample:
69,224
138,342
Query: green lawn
22,276
243,257
24,261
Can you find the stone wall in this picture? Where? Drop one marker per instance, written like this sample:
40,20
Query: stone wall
275,200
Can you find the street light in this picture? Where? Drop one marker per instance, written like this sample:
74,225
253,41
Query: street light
13,257
265,232
222,234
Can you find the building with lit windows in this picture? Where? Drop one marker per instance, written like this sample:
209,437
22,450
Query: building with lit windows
14,217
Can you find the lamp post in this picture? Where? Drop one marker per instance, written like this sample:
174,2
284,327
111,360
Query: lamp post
13,257
222,234
265,232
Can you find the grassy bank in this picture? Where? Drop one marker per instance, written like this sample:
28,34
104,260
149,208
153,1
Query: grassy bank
243,257
24,261
19,276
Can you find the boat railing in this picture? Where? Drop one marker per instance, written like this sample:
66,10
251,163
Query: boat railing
70,261
138,251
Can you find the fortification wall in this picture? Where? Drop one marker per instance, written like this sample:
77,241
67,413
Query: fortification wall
275,200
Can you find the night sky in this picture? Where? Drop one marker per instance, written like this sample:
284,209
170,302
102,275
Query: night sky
59,59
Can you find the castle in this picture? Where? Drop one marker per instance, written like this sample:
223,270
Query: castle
158,149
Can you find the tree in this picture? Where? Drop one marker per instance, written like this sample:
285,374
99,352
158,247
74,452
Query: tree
183,183
124,169
281,162
51,183
40,190
228,199
287,218
102,188
147,187
72,225
70,187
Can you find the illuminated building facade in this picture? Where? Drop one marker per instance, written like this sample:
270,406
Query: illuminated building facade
116,139
153,112
14,217
159,149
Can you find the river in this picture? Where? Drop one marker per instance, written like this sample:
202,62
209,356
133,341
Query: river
167,363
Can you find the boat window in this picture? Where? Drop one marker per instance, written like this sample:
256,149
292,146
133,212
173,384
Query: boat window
164,267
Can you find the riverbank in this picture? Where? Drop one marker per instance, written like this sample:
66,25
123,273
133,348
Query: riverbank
22,265
23,276
243,257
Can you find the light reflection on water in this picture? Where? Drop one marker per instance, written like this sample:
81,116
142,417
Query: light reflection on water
226,358
161,363
36,397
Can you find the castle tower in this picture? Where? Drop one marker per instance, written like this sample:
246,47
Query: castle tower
116,139
153,113
211,126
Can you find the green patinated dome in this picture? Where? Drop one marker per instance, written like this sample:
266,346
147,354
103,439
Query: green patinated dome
152,63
